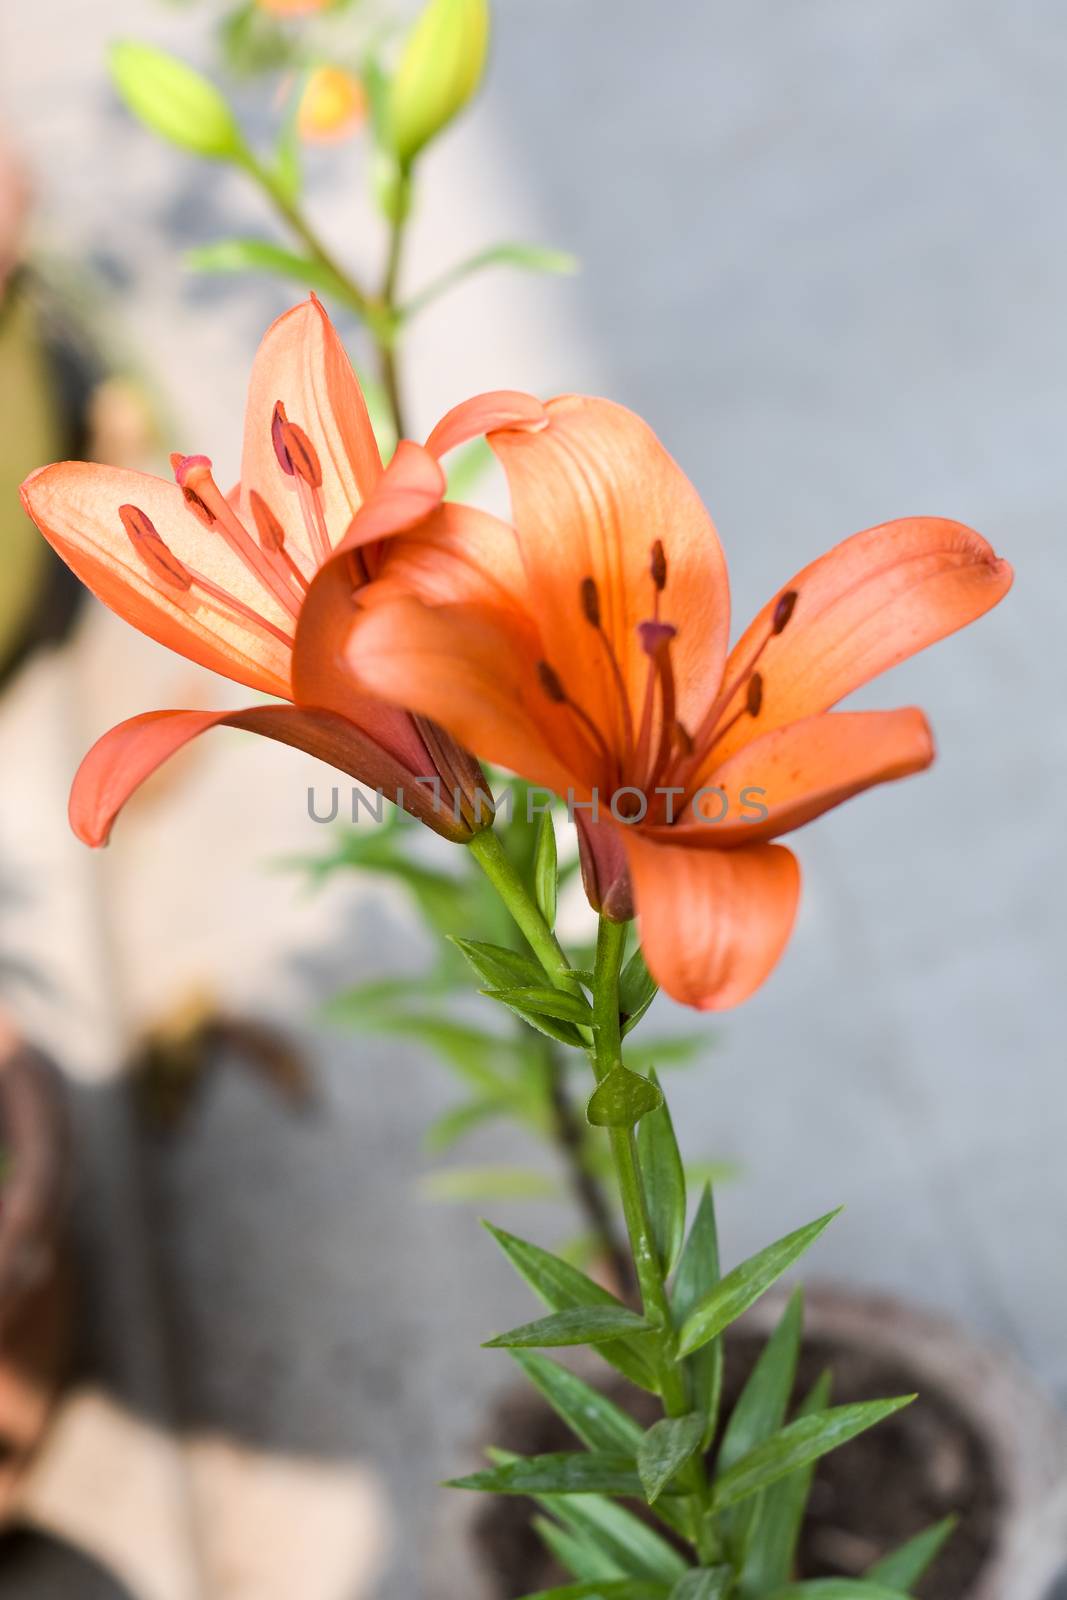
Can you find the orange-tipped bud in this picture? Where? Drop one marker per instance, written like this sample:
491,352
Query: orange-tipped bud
332,107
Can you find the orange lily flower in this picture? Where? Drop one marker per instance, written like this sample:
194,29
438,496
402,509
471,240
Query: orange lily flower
258,585
587,650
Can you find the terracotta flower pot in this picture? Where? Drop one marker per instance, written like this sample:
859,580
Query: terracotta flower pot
982,1441
35,1304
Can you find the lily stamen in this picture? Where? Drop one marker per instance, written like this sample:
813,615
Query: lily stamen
590,603
552,685
167,569
272,537
195,473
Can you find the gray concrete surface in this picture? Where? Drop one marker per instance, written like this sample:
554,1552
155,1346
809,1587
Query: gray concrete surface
824,252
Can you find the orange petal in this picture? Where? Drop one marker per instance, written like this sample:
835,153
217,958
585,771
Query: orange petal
591,492
76,507
501,408
124,757
713,923
302,363
473,670
863,607
411,487
792,775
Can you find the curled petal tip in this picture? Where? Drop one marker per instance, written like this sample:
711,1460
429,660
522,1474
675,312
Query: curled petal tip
500,411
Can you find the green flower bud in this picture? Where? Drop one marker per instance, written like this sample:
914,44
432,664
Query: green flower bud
176,102
439,72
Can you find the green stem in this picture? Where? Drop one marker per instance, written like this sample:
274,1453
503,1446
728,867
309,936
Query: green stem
494,861
386,341
607,1053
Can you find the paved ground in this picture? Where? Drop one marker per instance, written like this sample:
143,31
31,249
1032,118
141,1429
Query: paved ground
824,253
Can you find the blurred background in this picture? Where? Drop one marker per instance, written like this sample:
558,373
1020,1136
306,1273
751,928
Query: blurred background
823,250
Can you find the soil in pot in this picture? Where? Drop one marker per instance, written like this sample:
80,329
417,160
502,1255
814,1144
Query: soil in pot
870,1496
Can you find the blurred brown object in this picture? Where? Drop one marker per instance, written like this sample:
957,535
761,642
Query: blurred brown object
35,1286
177,1054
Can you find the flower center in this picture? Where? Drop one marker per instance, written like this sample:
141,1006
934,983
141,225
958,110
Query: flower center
659,752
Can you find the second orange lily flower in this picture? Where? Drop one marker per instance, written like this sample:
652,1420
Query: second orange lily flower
587,649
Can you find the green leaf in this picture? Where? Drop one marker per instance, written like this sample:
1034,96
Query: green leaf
527,257
697,1275
475,1056
769,1559
667,1445
637,990
453,1125
546,869
759,1413
498,966
575,1555
544,1001
581,1325
176,102
837,1589
664,1181
260,255
618,1533
594,1419
562,1472
439,72
704,1583
903,1568
489,1183
561,1287
670,1050
623,1589
622,1098
795,1445
744,1285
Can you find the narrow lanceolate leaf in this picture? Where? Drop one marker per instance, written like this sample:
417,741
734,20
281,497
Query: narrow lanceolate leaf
758,1414
561,1286
744,1285
903,1568
545,1002
664,1180
769,1559
498,966
697,1275
546,869
622,1098
527,257
594,1419
582,1325
703,1583
760,1409
837,1589
619,1534
230,256
622,1589
540,1016
468,1184
666,1446
584,1472
637,990
575,1555
795,1445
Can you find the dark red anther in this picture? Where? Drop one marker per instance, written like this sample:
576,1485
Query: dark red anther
783,611
160,560
271,533
658,566
550,683
754,694
296,454
590,601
